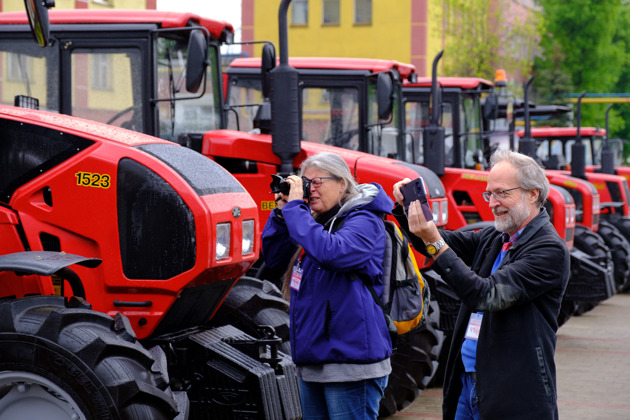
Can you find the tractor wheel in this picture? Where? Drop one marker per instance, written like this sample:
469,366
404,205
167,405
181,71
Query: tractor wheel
620,251
593,245
252,303
623,224
62,362
414,362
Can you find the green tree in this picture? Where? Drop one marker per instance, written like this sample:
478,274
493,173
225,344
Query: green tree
480,36
552,85
585,32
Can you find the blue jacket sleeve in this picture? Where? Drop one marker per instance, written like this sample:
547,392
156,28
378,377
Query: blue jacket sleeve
358,245
277,247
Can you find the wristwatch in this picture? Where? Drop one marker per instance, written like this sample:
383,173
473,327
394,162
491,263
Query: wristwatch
434,247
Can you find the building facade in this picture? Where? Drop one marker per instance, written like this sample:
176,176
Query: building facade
410,31
402,30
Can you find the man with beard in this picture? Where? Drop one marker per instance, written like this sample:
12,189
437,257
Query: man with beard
510,279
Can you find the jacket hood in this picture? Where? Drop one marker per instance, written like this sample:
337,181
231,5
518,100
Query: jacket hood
371,197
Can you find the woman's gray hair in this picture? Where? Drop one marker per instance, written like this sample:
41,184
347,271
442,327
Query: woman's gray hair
530,175
335,166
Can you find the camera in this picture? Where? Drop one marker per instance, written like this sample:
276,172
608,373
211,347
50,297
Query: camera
280,185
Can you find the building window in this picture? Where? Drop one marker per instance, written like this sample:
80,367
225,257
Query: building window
330,12
101,71
362,12
299,12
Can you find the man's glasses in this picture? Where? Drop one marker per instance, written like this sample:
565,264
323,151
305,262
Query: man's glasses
499,195
317,182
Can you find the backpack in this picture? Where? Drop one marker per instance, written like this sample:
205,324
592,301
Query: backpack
405,295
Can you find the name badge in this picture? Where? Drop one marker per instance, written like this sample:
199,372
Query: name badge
296,278
474,325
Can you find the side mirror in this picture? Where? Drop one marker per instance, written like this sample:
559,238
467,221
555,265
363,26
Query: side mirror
37,12
268,63
384,96
197,60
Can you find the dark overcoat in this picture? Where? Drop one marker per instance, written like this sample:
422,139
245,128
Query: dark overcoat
516,374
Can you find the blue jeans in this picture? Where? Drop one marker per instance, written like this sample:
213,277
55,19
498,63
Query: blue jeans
467,406
342,400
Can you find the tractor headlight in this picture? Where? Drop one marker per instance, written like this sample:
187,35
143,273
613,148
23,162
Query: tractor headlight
444,206
223,241
435,209
248,237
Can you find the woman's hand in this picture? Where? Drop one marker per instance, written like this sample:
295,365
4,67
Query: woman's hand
398,196
281,200
297,190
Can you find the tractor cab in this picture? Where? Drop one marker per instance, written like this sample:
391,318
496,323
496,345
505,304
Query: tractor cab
351,103
461,116
144,70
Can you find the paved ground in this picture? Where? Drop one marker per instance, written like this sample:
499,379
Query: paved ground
592,362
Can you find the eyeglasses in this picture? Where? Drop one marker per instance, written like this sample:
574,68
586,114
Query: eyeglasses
499,195
317,182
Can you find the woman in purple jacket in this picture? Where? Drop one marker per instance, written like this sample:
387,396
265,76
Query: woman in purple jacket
339,338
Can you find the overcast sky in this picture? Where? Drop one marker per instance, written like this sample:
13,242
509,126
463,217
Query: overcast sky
228,10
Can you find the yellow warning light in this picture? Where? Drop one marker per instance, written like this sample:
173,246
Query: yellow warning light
499,78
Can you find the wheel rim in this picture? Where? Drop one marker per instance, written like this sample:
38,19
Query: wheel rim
27,395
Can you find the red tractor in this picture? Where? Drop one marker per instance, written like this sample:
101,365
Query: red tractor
554,145
154,236
159,73
468,112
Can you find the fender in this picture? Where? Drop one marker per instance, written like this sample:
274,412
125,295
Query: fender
44,263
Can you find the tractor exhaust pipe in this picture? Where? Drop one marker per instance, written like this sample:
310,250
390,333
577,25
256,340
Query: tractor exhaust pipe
285,119
527,145
433,144
608,156
578,150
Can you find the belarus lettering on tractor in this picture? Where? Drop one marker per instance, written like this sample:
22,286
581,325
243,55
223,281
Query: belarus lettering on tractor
159,73
117,250
464,111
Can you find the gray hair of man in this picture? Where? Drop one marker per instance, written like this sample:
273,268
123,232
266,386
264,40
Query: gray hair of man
529,174
335,166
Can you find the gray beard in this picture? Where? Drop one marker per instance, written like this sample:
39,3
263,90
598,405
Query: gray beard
515,217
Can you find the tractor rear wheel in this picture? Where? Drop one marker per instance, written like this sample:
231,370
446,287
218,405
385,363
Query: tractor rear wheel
593,245
414,362
620,251
60,362
623,224
253,303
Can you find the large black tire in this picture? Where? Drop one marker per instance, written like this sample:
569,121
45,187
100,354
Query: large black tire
620,251
623,224
253,303
75,363
414,362
593,245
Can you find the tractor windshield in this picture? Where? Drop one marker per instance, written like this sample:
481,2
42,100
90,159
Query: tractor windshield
417,115
29,70
190,113
331,116
113,82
